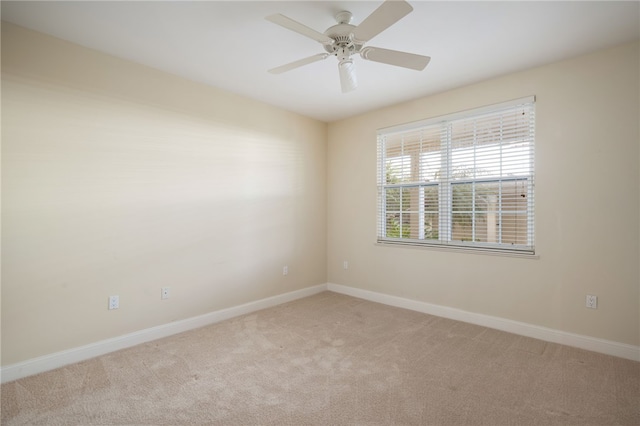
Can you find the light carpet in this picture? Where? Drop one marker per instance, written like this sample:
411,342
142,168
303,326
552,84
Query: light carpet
332,359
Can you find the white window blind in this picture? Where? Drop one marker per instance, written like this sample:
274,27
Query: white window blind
464,180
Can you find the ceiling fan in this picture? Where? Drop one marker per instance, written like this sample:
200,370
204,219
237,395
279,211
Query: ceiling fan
345,40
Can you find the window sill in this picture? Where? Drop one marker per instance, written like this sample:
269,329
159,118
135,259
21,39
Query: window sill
458,249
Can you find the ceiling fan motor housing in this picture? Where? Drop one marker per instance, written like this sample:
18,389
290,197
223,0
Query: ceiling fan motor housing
341,33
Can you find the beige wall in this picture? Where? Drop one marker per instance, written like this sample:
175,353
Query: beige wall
119,179
587,204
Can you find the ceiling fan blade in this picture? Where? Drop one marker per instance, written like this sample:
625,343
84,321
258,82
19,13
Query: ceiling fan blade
296,26
299,63
389,12
348,80
395,57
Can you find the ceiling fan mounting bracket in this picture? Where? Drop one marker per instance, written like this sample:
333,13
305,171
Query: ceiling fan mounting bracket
344,17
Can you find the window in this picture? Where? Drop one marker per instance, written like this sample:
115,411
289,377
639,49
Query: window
465,180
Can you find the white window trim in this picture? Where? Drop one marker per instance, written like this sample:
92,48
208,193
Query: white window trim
456,249
445,188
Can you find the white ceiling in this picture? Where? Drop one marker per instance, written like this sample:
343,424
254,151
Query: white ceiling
230,45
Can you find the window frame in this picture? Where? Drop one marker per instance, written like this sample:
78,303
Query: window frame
446,183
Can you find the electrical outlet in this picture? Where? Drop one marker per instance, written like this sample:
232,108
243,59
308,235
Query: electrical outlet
164,293
285,270
592,301
345,264
114,302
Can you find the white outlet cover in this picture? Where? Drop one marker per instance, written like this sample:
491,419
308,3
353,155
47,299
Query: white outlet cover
114,302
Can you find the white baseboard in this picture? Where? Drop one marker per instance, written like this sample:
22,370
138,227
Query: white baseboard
547,334
82,353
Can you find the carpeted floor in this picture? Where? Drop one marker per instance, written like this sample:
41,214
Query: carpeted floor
331,359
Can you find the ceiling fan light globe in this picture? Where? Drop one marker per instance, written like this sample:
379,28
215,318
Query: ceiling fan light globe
348,80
